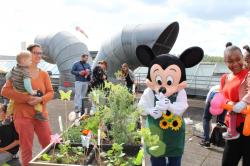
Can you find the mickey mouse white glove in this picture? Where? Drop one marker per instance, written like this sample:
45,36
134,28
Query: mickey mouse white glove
163,103
156,114
238,107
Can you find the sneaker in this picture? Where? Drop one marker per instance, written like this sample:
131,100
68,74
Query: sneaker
205,144
229,136
39,116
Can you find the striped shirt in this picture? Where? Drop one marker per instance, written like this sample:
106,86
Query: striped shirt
17,75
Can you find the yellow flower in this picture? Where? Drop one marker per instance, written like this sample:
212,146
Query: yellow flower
168,115
176,123
164,124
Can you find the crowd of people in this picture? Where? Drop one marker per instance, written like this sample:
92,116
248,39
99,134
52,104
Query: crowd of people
29,89
86,79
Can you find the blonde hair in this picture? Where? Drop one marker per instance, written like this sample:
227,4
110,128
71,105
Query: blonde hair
22,55
123,72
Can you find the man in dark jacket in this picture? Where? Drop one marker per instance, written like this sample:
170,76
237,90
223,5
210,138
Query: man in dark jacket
82,72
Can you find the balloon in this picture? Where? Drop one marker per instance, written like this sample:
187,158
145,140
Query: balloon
81,31
215,111
217,103
72,116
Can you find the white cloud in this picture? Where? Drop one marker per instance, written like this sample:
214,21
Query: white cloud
23,20
212,9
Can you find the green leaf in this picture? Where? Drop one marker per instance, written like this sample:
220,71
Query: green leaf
46,157
139,157
153,147
5,164
122,155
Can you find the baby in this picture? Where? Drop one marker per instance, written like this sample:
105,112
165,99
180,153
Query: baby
21,81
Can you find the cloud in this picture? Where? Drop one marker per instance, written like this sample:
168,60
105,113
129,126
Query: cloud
207,24
212,35
212,9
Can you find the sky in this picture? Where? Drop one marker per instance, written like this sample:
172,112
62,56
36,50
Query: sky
208,24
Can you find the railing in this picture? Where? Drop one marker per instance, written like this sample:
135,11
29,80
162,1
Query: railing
197,85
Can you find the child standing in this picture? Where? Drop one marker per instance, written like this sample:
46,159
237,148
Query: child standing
21,80
9,143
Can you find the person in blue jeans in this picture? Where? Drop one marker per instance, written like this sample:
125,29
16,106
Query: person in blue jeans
82,72
207,116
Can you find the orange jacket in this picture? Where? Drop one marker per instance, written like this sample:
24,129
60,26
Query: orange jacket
21,107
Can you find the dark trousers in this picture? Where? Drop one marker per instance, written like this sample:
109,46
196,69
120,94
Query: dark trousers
207,116
161,161
235,149
130,88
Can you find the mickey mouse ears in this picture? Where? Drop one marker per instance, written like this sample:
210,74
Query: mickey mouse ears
191,56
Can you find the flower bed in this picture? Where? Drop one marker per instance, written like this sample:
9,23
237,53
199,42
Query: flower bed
92,157
111,135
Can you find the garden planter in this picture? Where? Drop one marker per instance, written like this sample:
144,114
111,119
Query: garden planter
129,150
118,108
36,161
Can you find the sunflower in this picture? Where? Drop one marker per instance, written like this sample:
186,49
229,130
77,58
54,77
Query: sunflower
176,123
164,124
168,115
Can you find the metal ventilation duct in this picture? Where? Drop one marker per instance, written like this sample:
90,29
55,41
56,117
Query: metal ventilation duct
63,49
121,48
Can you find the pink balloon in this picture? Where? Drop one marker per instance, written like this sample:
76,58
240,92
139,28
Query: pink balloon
215,111
216,102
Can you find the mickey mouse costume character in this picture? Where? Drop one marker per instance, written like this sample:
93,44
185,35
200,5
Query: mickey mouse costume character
165,100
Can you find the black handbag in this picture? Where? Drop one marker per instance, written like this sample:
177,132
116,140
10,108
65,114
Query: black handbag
216,136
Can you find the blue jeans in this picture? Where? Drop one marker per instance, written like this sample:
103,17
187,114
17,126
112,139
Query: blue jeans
81,89
207,116
165,161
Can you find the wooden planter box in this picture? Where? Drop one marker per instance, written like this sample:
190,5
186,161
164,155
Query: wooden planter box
130,150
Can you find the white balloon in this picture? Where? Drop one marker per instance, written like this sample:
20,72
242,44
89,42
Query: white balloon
72,116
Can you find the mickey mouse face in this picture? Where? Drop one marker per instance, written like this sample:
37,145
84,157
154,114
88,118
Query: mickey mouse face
168,78
166,72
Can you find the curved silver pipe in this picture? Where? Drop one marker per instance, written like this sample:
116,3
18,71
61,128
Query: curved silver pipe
63,49
121,48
